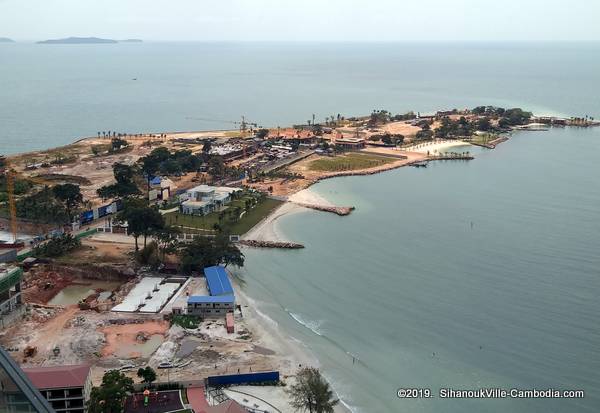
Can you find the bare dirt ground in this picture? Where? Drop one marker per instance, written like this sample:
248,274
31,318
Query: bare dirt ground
402,128
102,252
98,169
129,335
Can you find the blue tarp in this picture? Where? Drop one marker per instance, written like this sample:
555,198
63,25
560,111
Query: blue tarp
217,281
156,180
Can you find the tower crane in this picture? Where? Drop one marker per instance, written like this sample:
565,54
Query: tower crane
243,124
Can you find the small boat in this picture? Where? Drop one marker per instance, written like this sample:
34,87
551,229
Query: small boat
419,165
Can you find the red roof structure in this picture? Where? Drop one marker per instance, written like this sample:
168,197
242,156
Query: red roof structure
230,406
58,377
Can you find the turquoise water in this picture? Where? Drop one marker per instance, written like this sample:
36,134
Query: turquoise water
465,275
53,94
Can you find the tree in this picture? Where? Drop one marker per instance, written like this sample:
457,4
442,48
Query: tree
167,240
142,220
207,147
206,252
424,134
262,133
216,166
148,375
125,186
110,396
484,124
42,206
70,196
117,144
311,392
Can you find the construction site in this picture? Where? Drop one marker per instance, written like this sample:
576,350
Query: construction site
75,314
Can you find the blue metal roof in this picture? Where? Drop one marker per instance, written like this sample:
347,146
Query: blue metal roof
156,180
206,299
217,281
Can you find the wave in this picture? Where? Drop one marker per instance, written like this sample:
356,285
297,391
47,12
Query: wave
311,325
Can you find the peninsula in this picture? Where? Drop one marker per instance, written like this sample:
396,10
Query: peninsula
6,40
78,40
118,227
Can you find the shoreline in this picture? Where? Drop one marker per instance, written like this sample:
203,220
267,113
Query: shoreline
292,352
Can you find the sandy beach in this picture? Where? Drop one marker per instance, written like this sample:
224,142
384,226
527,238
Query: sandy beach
437,146
291,353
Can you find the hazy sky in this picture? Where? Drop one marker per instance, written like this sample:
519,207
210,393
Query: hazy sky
329,20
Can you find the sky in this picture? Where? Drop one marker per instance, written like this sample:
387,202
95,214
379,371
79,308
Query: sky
303,20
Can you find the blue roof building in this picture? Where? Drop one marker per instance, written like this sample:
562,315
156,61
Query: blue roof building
217,281
208,299
156,180
220,300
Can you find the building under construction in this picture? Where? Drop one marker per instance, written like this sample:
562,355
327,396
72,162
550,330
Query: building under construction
10,292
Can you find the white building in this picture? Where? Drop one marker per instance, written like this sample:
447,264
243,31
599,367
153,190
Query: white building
205,199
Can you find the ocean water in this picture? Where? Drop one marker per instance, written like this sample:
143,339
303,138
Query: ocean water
53,94
462,275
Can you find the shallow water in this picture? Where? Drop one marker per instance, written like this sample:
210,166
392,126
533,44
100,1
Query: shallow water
463,274
52,95
144,349
72,294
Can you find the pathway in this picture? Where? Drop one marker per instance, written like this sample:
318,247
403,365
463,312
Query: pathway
197,399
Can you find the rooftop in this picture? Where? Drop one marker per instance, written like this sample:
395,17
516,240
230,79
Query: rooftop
209,299
9,276
58,377
217,281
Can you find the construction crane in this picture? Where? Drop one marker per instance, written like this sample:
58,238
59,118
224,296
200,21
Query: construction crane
243,124
9,174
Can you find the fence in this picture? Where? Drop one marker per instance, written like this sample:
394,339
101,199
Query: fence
246,378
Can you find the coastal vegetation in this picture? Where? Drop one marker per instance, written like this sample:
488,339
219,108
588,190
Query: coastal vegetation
56,247
311,392
205,252
349,162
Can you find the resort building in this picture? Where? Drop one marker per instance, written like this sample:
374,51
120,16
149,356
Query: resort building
205,199
10,291
221,299
350,143
67,388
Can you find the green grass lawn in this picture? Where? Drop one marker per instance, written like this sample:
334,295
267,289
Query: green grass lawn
206,223
349,162
484,139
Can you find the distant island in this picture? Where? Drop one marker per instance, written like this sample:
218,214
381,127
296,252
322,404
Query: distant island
78,40
131,41
6,40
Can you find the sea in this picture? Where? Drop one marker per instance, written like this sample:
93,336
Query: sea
463,275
